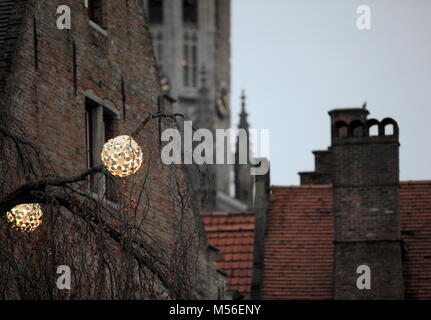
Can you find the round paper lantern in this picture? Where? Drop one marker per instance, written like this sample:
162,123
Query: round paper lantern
122,156
25,217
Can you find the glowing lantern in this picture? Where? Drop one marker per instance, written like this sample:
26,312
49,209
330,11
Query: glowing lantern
122,156
25,217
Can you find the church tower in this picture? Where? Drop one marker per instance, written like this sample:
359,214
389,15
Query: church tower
191,37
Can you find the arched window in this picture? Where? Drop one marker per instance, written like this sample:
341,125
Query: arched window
155,11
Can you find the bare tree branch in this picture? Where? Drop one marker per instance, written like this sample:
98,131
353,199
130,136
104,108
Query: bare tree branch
25,191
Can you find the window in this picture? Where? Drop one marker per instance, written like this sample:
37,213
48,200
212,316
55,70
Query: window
111,188
217,23
186,67
99,127
190,61
158,46
90,133
190,11
155,11
217,15
194,65
95,11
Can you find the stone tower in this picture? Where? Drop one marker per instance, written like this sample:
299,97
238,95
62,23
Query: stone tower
365,180
190,36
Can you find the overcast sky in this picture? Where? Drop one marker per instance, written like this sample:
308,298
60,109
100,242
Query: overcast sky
297,59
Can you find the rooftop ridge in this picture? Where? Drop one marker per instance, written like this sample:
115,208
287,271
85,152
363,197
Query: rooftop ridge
225,228
413,182
329,186
305,186
226,214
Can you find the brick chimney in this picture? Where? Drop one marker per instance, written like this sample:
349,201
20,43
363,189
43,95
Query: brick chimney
366,205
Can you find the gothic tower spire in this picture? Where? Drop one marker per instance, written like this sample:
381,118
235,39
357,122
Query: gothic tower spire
243,179
243,122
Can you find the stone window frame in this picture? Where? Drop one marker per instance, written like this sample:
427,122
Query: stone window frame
99,110
93,24
190,60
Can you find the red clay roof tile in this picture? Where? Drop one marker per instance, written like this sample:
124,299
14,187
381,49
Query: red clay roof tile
233,235
299,243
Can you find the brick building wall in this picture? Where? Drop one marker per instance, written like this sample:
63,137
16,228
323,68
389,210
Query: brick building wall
53,71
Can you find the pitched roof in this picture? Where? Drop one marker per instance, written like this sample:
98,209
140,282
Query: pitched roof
415,208
233,235
299,244
11,13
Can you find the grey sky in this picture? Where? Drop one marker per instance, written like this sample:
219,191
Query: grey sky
297,59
